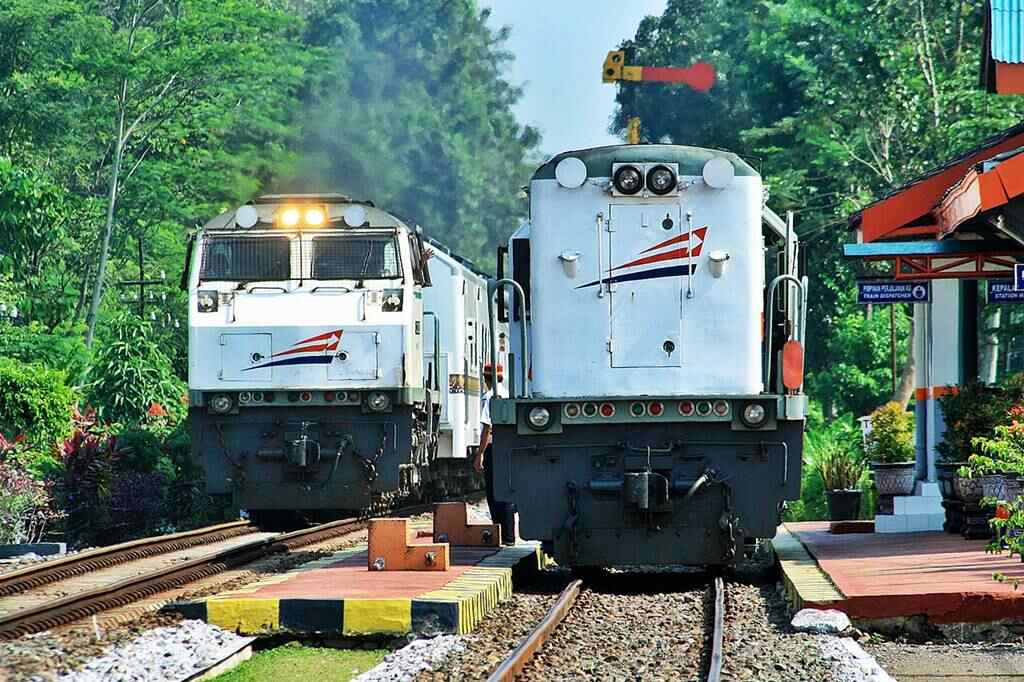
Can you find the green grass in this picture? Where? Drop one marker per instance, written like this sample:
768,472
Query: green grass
303,664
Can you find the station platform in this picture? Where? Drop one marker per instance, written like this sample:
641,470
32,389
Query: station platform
873,576
337,595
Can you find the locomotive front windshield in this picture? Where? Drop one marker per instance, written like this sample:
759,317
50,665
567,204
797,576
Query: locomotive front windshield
356,257
246,259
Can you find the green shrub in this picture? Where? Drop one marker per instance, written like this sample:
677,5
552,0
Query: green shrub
891,438
35,402
26,506
973,410
131,377
62,349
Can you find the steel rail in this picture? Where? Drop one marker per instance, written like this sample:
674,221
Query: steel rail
74,607
522,654
715,667
55,570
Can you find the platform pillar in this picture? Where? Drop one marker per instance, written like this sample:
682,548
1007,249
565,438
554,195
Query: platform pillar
939,346
452,525
390,550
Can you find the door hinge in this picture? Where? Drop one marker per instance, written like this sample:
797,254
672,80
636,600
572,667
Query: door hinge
222,340
608,225
608,345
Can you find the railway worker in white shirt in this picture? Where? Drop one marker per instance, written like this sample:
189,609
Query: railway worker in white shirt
501,512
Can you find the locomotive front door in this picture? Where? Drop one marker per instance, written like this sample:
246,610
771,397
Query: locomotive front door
646,269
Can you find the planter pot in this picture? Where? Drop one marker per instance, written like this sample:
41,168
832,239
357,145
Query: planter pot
946,472
894,479
843,505
967,489
992,485
1011,488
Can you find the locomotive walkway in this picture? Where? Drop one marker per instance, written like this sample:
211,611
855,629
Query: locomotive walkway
874,576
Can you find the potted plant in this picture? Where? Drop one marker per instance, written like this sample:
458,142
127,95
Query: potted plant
999,458
970,411
841,469
889,447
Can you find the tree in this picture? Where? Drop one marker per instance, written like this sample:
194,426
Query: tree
836,121
413,112
167,64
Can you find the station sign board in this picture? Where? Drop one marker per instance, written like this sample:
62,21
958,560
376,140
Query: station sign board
893,292
1003,291
1018,276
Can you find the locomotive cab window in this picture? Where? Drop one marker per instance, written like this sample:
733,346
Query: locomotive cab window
356,257
246,259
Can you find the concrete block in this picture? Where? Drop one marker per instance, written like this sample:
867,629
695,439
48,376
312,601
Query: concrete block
928,490
891,524
452,525
389,549
37,548
916,505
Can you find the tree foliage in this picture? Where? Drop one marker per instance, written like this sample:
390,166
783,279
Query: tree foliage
835,119
132,376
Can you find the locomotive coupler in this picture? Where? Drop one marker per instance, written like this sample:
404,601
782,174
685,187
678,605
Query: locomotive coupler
304,451
648,490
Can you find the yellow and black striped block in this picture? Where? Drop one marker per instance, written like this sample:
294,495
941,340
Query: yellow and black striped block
806,584
455,608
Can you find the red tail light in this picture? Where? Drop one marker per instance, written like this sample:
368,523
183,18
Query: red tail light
607,410
686,408
655,409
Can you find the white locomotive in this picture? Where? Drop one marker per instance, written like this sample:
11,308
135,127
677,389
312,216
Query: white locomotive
657,416
334,358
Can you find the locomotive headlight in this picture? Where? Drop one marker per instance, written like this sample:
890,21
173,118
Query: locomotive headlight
206,301
221,403
378,402
754,415
315,217
539,418
628,180
661,180
290,217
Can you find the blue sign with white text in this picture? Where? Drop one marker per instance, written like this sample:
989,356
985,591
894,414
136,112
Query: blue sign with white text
893,292
1018,276
1003,292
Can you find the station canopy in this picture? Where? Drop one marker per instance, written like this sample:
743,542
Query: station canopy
962,220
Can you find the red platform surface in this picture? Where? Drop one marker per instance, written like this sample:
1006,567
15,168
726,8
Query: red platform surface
936,574
349,579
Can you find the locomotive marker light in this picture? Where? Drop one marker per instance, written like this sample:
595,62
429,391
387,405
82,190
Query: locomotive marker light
246,216
570,263
539,418
354,216
754,415
378,402
571,172
206,301
717,259
221,403
627,180
718,173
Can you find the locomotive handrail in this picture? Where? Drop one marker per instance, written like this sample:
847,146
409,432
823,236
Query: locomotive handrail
524,336
437,349
799,329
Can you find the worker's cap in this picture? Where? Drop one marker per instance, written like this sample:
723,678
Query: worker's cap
489,371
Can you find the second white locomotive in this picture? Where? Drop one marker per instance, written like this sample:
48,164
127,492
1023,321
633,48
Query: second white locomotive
332,356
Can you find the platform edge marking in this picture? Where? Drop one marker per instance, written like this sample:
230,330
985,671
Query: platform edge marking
805,582
375,616
248,616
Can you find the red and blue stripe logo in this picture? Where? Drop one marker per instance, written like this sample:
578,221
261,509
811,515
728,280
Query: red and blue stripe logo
660,256
316,350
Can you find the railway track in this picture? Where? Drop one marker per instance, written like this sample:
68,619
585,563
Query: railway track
60,592
514,665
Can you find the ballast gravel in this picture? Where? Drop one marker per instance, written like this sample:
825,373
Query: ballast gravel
412,659
168,653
